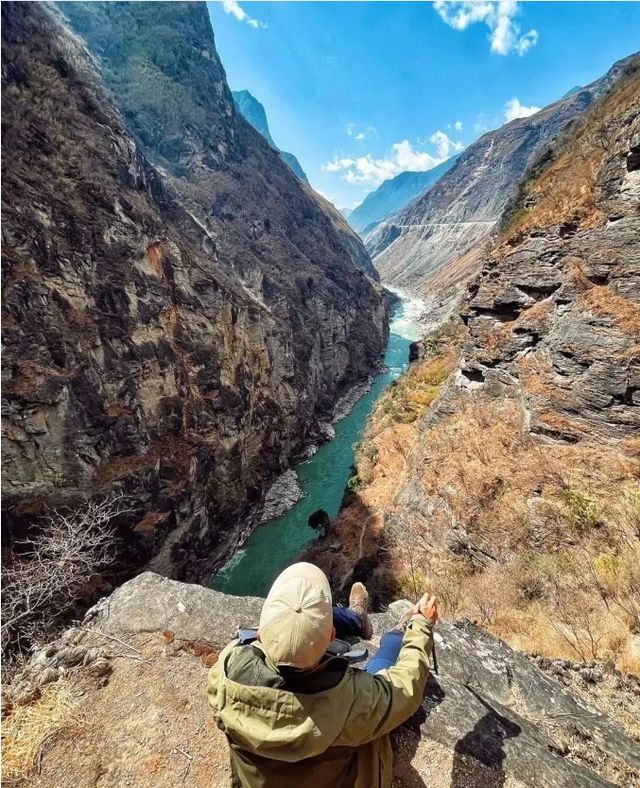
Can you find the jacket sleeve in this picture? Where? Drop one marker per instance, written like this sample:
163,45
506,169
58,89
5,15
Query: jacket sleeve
385,700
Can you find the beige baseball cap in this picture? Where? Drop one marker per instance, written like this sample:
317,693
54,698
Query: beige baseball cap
297,618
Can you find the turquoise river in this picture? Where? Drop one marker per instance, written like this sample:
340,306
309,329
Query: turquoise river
323,478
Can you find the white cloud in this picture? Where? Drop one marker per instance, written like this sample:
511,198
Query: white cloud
233,7
359,133
525,42
445,145
514,109
458,125
403,156
498,15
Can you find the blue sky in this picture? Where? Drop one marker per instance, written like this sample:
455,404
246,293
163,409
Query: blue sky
362,90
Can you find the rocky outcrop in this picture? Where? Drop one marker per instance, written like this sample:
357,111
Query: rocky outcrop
434,243
281,496
393,195
179,310
491,710
555,311
253,111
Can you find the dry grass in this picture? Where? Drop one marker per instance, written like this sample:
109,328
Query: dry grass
28,729
561,522
408,398
390,433
149,726
538,377
624,313
566,188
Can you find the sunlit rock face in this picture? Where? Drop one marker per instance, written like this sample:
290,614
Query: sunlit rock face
179,310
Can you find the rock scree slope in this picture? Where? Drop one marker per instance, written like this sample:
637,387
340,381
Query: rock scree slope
179,310
490,717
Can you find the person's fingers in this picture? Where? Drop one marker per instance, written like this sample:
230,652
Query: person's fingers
430,609
417,608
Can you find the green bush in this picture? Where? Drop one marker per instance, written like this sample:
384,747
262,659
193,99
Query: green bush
580,511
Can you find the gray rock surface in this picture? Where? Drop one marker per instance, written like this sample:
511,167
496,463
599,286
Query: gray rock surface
492,706
567,300
346,403
281,496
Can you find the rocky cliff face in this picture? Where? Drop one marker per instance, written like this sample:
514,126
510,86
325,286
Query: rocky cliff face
393,195
253,111
490,717
555,310
160,61
503,469
434,246
178,309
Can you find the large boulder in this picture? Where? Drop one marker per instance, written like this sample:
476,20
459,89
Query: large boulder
500,719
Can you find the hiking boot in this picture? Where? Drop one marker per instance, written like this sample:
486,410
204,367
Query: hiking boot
359,602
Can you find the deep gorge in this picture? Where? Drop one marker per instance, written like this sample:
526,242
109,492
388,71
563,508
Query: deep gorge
179,310
323,478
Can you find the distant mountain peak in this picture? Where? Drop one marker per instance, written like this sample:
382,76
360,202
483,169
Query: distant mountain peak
394,194
254,113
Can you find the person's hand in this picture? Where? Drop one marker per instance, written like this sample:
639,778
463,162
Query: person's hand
426,606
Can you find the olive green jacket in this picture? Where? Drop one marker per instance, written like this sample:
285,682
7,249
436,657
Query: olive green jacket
332,738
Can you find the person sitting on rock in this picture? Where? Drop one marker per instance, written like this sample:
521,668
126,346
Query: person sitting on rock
296,716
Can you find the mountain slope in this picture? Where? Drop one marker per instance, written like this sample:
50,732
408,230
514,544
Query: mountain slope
447,227
253,111
393,195
255,114
513,442
171,332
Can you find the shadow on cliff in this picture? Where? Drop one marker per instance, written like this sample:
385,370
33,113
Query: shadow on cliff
347,552
479,756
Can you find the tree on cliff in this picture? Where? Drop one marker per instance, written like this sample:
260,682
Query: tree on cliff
48,572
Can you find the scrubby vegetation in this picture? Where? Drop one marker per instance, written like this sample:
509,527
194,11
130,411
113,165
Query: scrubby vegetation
554,189
49,572
538,542
408,398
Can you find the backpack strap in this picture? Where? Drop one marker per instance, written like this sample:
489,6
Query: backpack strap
337,648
